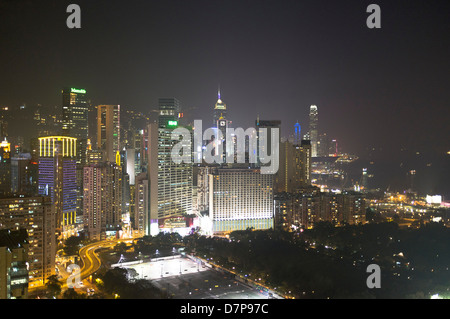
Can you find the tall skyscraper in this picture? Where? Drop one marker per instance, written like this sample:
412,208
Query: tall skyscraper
3,129
170,183
5,168
169,110
21,174
57,179
294,173
297,133
102,200
141,205
266,148
220,114
313,129
108,130
75,119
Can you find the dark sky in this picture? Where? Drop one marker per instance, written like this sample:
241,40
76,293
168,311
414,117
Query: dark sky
385,87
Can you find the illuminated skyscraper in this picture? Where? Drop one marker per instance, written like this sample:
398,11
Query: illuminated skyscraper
57,179
313,129
75,119
170,184
102,200
294,173
220,115
169,110
266,146
141,205
5,167
297,133
108,130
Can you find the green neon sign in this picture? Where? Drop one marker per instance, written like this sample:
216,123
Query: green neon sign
172,123
73,90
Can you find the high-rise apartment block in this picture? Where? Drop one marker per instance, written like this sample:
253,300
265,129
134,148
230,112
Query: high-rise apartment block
13,264
35,215
102,199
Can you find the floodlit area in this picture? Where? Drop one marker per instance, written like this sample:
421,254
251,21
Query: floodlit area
172,266
189,279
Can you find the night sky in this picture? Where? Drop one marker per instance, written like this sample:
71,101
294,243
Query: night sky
385,87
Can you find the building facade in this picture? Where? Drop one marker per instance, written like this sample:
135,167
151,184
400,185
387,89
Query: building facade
237,199
108,130
36,216
102,200
58,180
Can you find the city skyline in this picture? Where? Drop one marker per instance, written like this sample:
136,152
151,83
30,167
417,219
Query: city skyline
198,149
285,57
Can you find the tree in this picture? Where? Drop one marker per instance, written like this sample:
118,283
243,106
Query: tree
72,245
53,286
120,248
72,294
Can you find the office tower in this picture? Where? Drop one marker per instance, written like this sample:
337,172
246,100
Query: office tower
169,109
130,164
302,170
297,133
364,180
313,129
108,130
170,183
94,156
265,147
141,205
323,145
75,119
3,129
333,148
58,179
21,178
13,264
139,152
284,178
202,185
5,168
75,123
294,172
102,200
36,216
238,198
220,114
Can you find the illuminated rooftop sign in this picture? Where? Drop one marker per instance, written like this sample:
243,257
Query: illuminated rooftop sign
73,90
172,123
